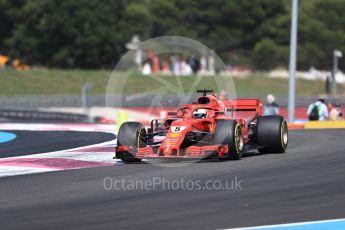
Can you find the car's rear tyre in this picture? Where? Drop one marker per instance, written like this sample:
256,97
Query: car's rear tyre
130,134
229,132
272,134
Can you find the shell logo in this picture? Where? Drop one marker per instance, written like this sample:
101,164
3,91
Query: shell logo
174,135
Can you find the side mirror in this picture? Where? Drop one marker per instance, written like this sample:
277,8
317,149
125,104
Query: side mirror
157,125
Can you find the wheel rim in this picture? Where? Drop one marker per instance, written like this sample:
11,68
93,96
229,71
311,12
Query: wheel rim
140,136
284,134
239,139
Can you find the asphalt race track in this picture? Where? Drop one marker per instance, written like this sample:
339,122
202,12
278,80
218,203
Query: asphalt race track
305,184
33,142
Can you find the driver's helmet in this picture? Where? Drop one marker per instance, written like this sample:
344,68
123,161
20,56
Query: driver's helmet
200,113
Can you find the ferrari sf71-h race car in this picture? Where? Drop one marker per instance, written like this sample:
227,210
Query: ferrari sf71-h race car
208,128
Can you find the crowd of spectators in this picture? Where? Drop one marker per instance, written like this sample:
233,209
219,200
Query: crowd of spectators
178,65
320,111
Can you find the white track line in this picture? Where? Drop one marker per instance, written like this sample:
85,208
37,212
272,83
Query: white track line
6,171
303,225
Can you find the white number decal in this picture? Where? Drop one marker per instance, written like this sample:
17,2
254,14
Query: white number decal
177,129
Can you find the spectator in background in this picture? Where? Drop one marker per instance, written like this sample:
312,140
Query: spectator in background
165,68
318,111
271,108
334,112
154,60
191,62
222,94
203,65
194,64
186,70
327,85
146,69
177,66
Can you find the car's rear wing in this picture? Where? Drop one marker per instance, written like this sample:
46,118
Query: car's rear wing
244,105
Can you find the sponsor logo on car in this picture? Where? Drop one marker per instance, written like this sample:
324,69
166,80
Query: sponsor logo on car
174,135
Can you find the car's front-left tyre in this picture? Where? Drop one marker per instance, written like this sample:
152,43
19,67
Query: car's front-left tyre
131,134
229,132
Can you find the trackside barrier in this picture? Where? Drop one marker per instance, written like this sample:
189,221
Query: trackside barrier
295,126
31,115
324,125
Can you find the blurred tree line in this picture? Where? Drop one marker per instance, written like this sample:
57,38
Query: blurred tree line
92,33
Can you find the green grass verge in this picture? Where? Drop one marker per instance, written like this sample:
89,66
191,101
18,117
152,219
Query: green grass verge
58,82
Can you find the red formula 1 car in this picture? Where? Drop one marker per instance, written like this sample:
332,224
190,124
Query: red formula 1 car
208,128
